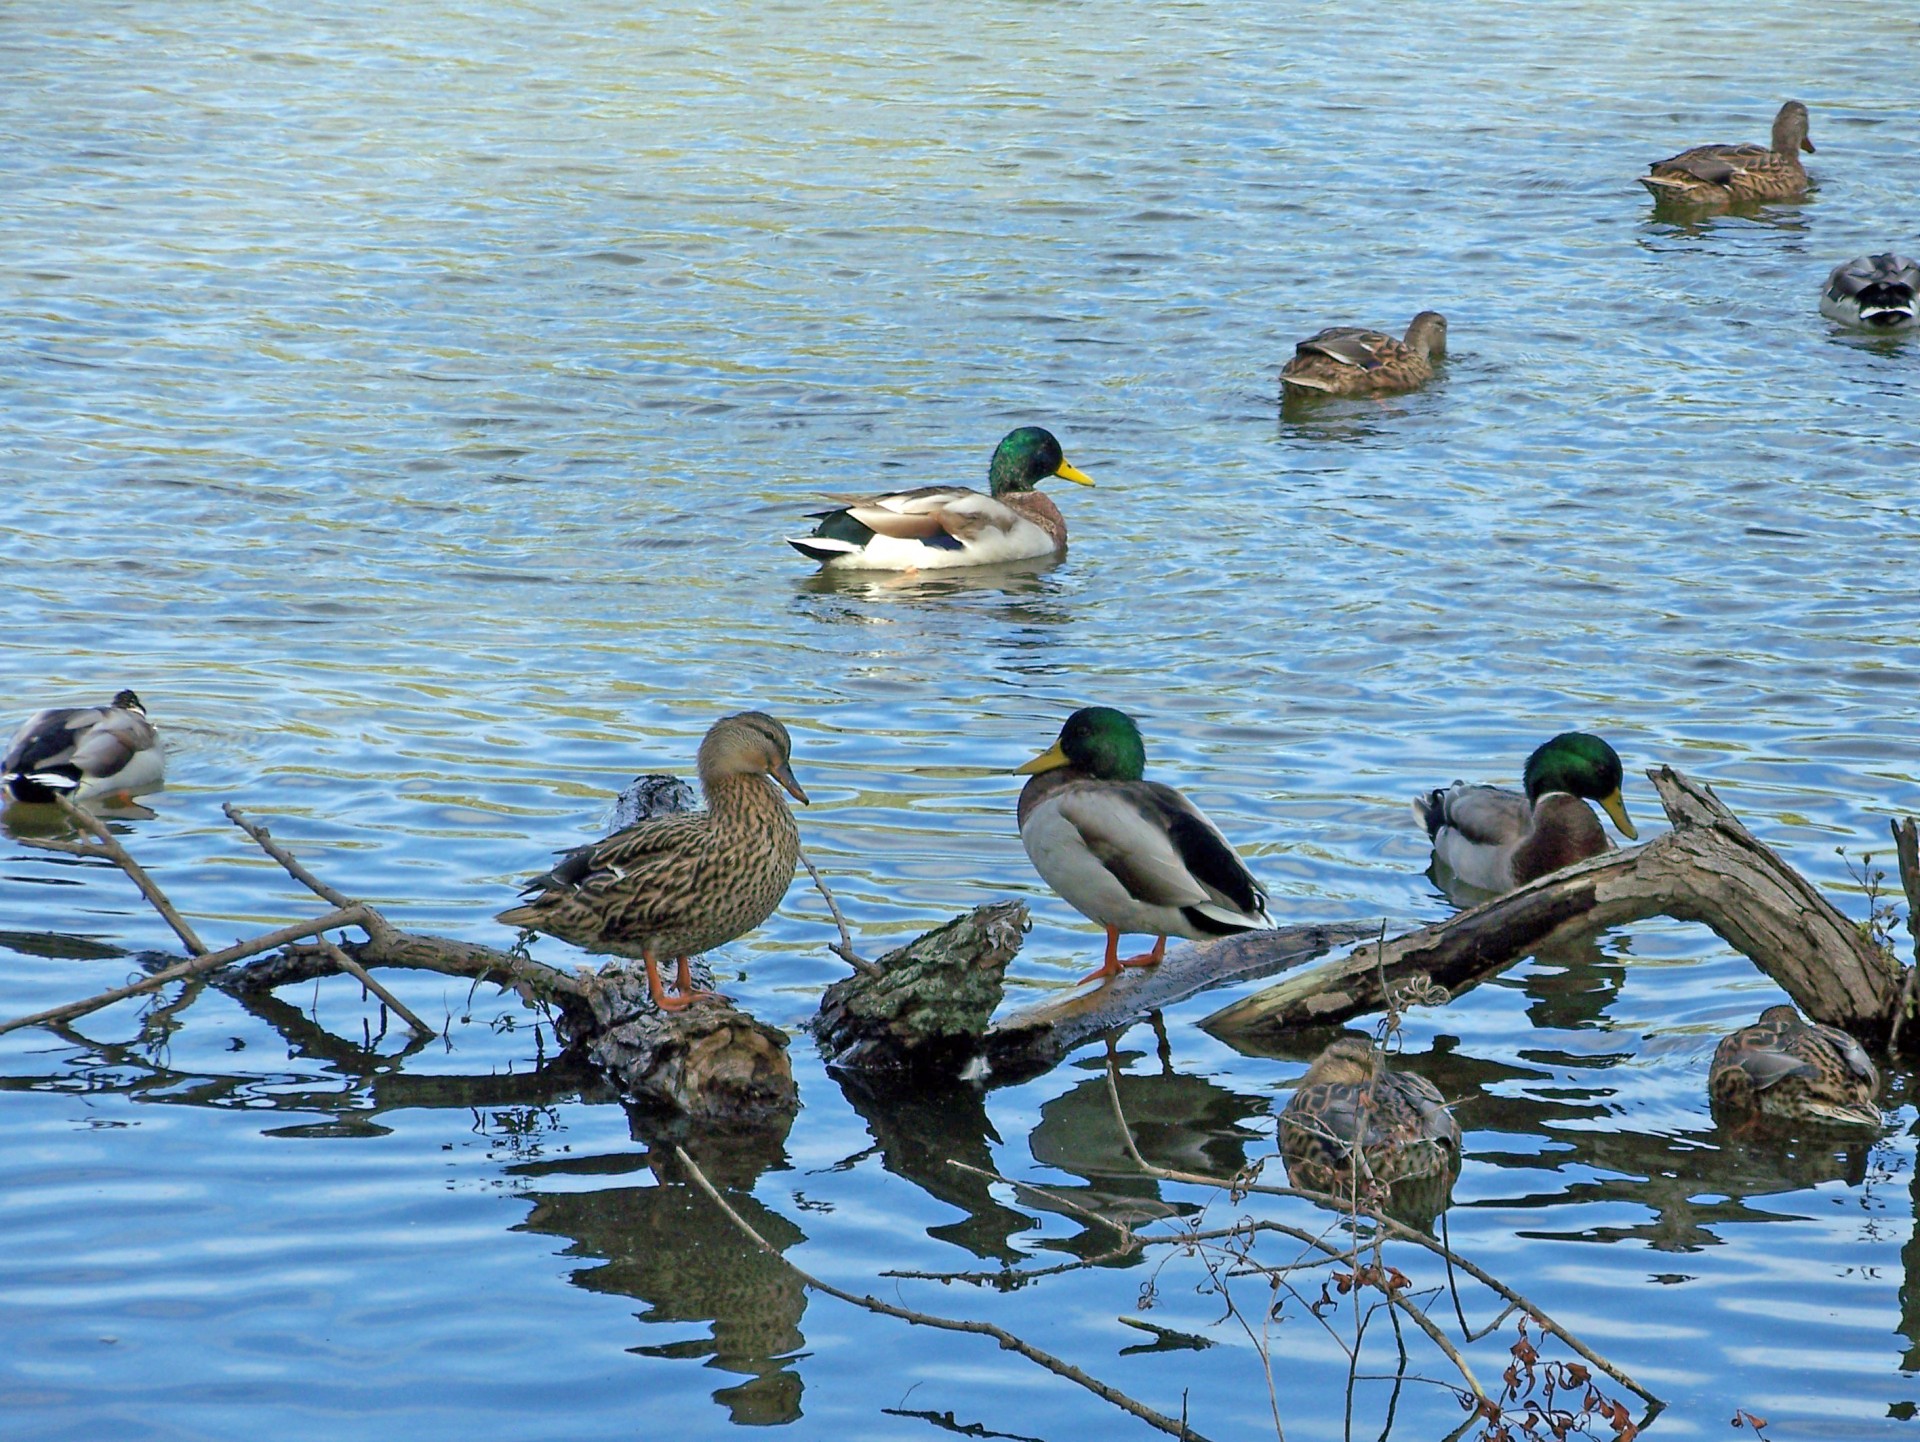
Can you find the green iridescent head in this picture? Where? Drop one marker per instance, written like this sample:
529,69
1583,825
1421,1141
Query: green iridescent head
1582,765
1099,741
1028,456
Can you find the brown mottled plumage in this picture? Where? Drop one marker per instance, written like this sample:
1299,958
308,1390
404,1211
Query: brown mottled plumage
1783,1066
679,885
1351,1096
1346,360
1715,176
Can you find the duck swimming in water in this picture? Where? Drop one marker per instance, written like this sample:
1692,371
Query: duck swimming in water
84,752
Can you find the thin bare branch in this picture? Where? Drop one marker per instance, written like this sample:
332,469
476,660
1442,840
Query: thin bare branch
264,840
845,949
366,978
107,847
1005,1338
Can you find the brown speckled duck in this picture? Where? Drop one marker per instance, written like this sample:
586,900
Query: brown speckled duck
1350,1096
678,885
1796,1070
1716,176
84,752
1345,360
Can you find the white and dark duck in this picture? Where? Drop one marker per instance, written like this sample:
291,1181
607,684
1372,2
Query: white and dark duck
84,753
935,527
1130,854
1874,293
1495,839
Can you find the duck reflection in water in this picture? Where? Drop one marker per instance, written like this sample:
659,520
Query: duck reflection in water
669,1246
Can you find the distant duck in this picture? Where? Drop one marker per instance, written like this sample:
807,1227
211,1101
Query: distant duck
1874,293
683,883
84,752
940,526
1496,839
1130,854
1348,361
1351,1100
1715,176
1795,1070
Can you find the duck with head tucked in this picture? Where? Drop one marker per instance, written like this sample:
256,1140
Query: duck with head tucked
1346,360
1795,1070
1873,293
935,527
1351,1100
1713,177
84,752
1128,853
1495,839
682,884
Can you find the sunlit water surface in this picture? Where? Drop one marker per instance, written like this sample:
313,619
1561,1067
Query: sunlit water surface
409,401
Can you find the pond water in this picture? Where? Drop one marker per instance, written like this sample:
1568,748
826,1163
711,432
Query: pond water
409,400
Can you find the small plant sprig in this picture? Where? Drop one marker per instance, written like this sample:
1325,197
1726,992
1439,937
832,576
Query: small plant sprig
1882,914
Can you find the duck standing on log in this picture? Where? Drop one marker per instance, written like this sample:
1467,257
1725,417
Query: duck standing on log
936,527
679,885
84,752
1130,854
1496,840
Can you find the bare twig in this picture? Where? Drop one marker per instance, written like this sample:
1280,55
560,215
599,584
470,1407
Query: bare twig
1005,1338
107,847
360,974
845,949
264,839
207,961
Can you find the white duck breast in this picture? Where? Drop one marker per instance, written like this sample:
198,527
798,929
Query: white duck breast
83,752
1140,857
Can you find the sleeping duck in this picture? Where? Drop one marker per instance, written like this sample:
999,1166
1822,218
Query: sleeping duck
1875,292
1346,360
1351,1100
685,882
1796,1070
1130,854
1716,176
84,752
940,526
1496,840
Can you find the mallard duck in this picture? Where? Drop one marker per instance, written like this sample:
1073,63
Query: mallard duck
1785,1067
940,526
1875,292
1496,839
1345,360
682,884
1130,854
1351,1097
83,752
1722,175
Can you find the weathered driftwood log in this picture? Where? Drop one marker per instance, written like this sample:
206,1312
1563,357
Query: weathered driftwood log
1038,1037
1709,868
926,1004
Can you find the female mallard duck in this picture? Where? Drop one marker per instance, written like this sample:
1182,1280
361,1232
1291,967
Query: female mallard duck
1350,1098
84,752
1130,854
682,884
1348,361
1721,175
1875,292
1496,839
1795,1070
939,526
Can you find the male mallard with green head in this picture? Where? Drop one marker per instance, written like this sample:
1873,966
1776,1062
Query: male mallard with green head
939,526
84,752
1496,839
1130,854
1346,360
681,884
1349,1099
1716,176
1795,1070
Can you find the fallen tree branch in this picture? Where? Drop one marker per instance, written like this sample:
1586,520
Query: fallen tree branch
360,974
1709,868
106,847
844,950
1006,1339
